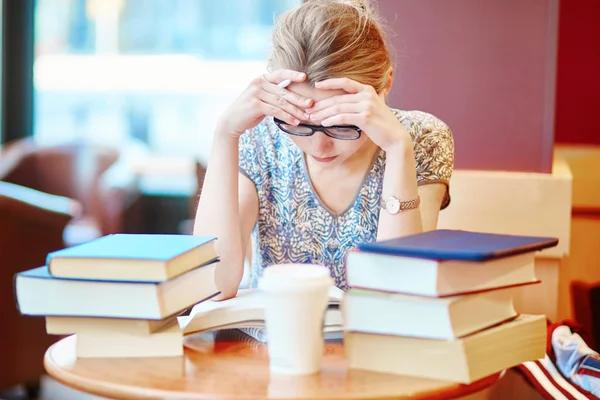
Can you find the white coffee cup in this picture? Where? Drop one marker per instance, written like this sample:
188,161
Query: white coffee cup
295,298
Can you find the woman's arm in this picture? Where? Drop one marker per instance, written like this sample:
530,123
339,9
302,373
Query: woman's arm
363,107
248,210
228,205
400,181
432,195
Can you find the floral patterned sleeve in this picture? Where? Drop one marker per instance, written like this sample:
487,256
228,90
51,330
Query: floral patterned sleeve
250,156
434,149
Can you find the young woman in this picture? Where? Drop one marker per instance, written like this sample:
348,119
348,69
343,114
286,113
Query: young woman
311,161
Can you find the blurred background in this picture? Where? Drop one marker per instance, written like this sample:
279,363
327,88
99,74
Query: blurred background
108,109
107,113
146,79
152,70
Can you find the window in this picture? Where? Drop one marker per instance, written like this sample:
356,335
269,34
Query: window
154,71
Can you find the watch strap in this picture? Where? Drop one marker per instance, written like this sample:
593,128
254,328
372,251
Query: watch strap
397,205
410,204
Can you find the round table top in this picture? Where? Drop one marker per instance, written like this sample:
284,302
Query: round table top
228,365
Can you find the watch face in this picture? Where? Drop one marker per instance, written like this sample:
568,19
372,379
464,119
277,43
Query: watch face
392,205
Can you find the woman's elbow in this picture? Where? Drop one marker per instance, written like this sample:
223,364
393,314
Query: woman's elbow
226,293
227,280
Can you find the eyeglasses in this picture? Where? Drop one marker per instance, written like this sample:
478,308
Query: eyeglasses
342,132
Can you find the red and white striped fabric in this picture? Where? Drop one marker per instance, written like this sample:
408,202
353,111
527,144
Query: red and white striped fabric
546,378
543,375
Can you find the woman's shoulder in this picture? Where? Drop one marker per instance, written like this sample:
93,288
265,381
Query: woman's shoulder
421,123
265,135
263,147
259,134
433,147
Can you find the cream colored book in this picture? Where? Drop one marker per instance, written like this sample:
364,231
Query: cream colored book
437,278
427,317
462,360
164,343
69,325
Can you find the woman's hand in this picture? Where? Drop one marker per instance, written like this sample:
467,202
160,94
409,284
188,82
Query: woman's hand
363,107
263,97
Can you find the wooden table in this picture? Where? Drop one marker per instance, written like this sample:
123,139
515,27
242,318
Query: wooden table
228,365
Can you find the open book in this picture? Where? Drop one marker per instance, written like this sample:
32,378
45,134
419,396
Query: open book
246,313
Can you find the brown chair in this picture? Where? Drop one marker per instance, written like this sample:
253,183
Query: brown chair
200,170
187,226
31,226
585,297
93,174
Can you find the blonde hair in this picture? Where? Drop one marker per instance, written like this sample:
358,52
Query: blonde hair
332,39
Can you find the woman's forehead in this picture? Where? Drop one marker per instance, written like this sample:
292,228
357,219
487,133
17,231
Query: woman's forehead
308,91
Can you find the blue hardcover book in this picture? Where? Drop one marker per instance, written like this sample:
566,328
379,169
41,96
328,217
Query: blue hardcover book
133,257
447,244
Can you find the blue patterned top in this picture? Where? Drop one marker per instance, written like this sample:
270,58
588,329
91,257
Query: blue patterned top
294,226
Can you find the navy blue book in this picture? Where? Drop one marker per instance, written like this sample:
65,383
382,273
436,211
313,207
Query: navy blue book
447,244
445,263
133,257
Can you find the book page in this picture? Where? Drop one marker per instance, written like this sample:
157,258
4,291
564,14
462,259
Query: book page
246,310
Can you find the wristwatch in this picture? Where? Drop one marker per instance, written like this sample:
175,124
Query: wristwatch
393,205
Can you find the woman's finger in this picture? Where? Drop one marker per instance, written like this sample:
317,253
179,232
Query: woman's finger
271,110
330,101
291,97
345,84
336,109
282,103
281,75
356,119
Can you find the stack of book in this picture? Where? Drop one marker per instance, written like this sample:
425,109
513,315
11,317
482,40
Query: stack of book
439,305
121,294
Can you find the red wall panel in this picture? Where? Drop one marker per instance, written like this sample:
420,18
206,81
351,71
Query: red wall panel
578,75
487,68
